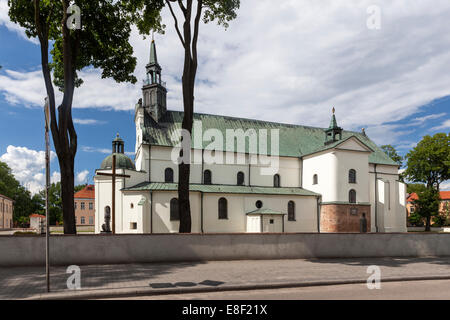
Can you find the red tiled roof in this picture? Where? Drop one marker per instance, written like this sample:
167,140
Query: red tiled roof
445,195
35,215
87,193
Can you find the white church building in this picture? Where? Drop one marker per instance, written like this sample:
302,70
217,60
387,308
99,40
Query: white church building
247,175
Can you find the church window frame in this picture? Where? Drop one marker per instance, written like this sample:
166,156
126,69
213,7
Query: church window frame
352,196
168,175
207,177
291,211
352,176
174,211
276,180
222,208
240,178
315,179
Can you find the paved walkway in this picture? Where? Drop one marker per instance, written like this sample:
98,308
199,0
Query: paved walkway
157,278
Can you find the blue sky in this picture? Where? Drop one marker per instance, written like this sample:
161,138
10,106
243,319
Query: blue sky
292,68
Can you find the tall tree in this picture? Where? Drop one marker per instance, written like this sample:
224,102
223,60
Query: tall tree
427,205
392,153
429,161
192,11
84,33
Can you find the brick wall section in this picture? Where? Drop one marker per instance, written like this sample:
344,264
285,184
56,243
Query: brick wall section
338,217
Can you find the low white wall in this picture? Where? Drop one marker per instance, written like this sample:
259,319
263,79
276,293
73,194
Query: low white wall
104,249
433,229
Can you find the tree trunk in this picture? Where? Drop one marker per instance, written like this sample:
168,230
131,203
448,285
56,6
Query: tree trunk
188,81
67,195
428,224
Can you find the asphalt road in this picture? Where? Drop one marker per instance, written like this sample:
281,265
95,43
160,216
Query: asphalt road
405,290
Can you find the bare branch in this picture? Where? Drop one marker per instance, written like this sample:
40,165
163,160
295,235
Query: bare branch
176,23
196,28
182,7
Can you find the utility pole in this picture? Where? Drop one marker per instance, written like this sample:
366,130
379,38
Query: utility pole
47,185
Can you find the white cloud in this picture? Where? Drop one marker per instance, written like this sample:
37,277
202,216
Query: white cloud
4,20
92,149
82,177
445,186
87,121
28,166
444,125
293,62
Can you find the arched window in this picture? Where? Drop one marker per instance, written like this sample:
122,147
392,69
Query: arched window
207,177
352,176
168,175
276,180
291,211
240,178
174,214
352,196
315,179
223,208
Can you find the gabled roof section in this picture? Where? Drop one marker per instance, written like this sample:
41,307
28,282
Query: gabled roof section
264,212
295,140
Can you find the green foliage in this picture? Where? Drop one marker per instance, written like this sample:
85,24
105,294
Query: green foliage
415,219
392,153
103,38
79,187
24,203
415,188
429,161
147,13
55,203
427,205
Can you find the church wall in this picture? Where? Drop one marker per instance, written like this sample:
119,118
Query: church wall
133,212
161,159
358,161
103,198
161,212
325,165
390,210
289,169
239,205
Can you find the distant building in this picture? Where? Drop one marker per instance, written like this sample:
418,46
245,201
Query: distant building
37,222
85,206
444,207
6,212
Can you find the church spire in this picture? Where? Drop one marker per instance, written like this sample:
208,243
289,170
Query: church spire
153,57
333,131
154,90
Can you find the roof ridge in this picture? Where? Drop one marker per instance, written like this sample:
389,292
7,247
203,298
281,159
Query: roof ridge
250,119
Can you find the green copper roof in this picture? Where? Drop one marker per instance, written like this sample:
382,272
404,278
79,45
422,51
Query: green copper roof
265,211
153,57
122,162
295,140
163,186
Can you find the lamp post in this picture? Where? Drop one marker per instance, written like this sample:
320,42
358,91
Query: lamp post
47,185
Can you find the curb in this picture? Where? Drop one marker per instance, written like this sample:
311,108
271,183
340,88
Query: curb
144,291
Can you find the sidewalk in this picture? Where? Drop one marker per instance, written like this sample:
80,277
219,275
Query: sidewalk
133,279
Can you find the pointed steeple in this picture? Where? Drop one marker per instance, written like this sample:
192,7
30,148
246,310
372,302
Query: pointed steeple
154,90
333,122
153,57
333,131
